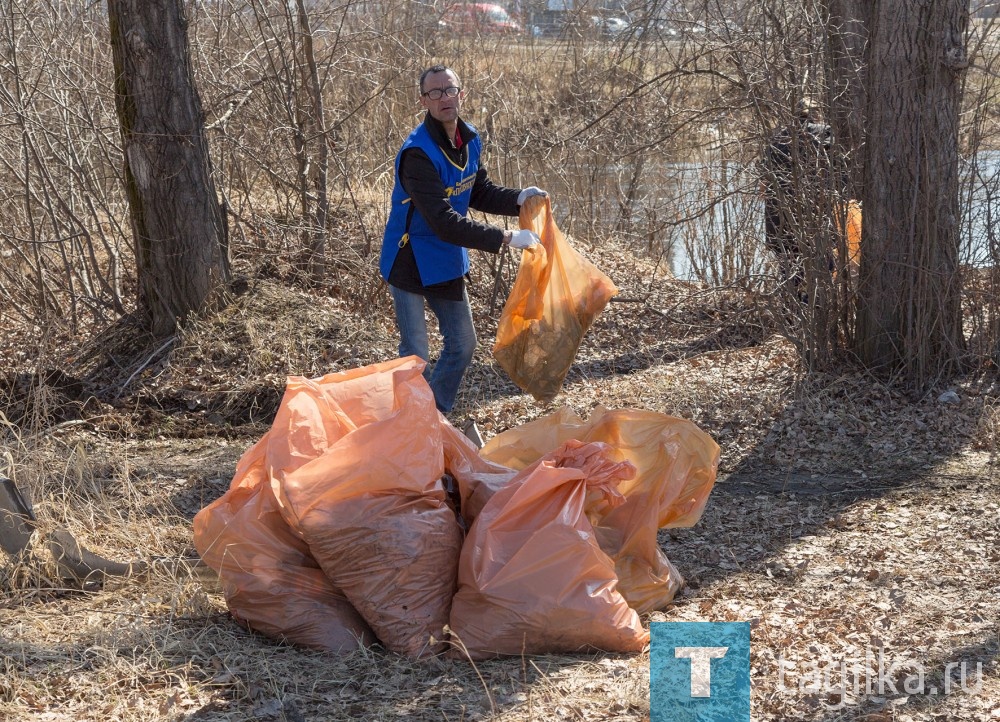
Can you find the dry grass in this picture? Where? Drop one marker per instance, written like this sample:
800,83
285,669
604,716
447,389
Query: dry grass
848,516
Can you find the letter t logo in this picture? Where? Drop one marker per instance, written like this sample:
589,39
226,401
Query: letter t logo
706,687
701,666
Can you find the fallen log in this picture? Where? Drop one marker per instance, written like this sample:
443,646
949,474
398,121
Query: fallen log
18,525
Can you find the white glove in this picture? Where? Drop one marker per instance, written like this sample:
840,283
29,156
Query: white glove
528,192
523,239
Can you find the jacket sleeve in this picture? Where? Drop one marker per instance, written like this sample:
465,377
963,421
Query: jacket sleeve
488,197
422,183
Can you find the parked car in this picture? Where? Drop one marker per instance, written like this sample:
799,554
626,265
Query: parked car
607,27
655,29
615,26
479,19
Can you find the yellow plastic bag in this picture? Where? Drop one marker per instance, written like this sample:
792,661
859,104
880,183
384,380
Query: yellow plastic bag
556,296
676,466
532,577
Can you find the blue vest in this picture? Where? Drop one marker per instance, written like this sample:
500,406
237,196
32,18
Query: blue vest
437,260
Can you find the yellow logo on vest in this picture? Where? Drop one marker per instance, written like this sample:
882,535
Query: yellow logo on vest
461,187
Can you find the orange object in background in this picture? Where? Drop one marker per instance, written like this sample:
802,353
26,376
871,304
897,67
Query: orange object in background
556,296
851,214
675,463
854,232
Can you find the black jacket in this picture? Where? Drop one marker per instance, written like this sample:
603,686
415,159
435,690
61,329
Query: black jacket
421,181
797,170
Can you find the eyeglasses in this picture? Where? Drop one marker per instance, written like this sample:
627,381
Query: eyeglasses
438,93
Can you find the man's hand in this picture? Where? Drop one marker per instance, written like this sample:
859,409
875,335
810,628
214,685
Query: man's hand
528,192
523,239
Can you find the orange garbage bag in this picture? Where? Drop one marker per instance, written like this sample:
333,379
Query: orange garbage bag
532,578
556,296
270,580
676,465
477,479
358,463
854,233
850,216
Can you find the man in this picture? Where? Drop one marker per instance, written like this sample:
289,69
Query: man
439,177
796,174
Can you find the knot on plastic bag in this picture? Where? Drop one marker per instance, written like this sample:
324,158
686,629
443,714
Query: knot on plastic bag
596,462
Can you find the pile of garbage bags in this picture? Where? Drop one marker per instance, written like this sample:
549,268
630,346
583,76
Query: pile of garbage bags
364,516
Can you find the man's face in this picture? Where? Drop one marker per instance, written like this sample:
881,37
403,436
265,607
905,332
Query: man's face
445,109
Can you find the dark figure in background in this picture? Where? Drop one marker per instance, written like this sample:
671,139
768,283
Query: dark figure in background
795,182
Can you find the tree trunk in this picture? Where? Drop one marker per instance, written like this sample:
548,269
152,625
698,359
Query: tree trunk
179,230
320,172
909,316
847,35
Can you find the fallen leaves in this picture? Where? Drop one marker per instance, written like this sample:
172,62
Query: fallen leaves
848,517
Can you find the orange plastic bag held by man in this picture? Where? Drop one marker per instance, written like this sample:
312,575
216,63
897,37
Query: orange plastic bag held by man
556,297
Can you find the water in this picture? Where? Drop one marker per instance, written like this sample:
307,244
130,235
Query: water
708,216
980,201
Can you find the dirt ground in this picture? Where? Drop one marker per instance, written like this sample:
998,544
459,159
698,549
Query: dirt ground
853,524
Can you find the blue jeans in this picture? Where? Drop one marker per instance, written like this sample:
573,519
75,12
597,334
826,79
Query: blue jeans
455,322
